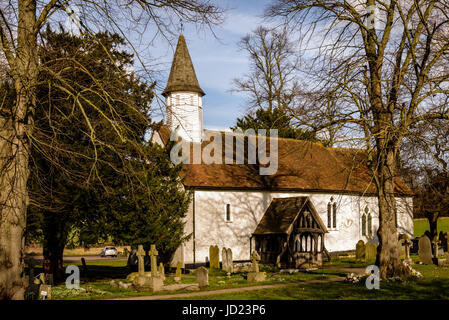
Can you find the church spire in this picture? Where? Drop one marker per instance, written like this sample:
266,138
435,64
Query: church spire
182,74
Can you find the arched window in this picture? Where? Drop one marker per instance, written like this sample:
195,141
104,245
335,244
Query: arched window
367,223
332,214
364,225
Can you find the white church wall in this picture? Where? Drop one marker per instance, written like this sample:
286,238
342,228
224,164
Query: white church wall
247,208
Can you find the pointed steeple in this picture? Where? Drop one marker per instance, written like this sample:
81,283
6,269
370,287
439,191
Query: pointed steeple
182,74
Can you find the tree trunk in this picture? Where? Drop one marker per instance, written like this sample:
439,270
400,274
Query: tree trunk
433,221
54,242
388,259
14,155
13,198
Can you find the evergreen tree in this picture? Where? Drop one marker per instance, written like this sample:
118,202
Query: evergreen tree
104,184
275,118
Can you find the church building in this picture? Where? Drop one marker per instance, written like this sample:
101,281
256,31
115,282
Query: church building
320,200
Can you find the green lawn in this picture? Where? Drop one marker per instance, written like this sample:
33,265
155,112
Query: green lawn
433,285
101,275
421,225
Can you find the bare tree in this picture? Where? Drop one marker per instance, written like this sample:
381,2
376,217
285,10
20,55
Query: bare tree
385,63
20,25
271,82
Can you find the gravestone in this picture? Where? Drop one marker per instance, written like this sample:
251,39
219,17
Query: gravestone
370,251
178,276
214,257
360,250
153,258
44,292
255,258
141,258
229,260
202,277
224,259
425,250
161,271
256,275
144,281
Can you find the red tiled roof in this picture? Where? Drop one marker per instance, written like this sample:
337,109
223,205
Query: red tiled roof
302,166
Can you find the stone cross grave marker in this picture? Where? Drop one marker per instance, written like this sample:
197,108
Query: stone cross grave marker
202,277
214,257
153,257
360,250
229,260
370,251
141,256
407,243
178,276
255,258
224,259
425,250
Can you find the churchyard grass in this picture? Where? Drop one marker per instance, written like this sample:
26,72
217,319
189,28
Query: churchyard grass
433,285
101,288
421,225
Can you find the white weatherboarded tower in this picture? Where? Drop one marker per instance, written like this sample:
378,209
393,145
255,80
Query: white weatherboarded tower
184,107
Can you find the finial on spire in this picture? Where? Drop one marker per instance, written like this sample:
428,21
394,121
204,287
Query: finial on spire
182,25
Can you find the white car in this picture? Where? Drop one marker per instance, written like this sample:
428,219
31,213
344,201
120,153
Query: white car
108,252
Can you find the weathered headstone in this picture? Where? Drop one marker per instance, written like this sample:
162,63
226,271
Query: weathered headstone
44,292
161,271
360,250
178,276
255,258
153,258
255,275
141,256
425,250
214,253
224,259
370,251
202,277
229,260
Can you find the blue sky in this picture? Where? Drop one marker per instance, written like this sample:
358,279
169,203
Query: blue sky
217,61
